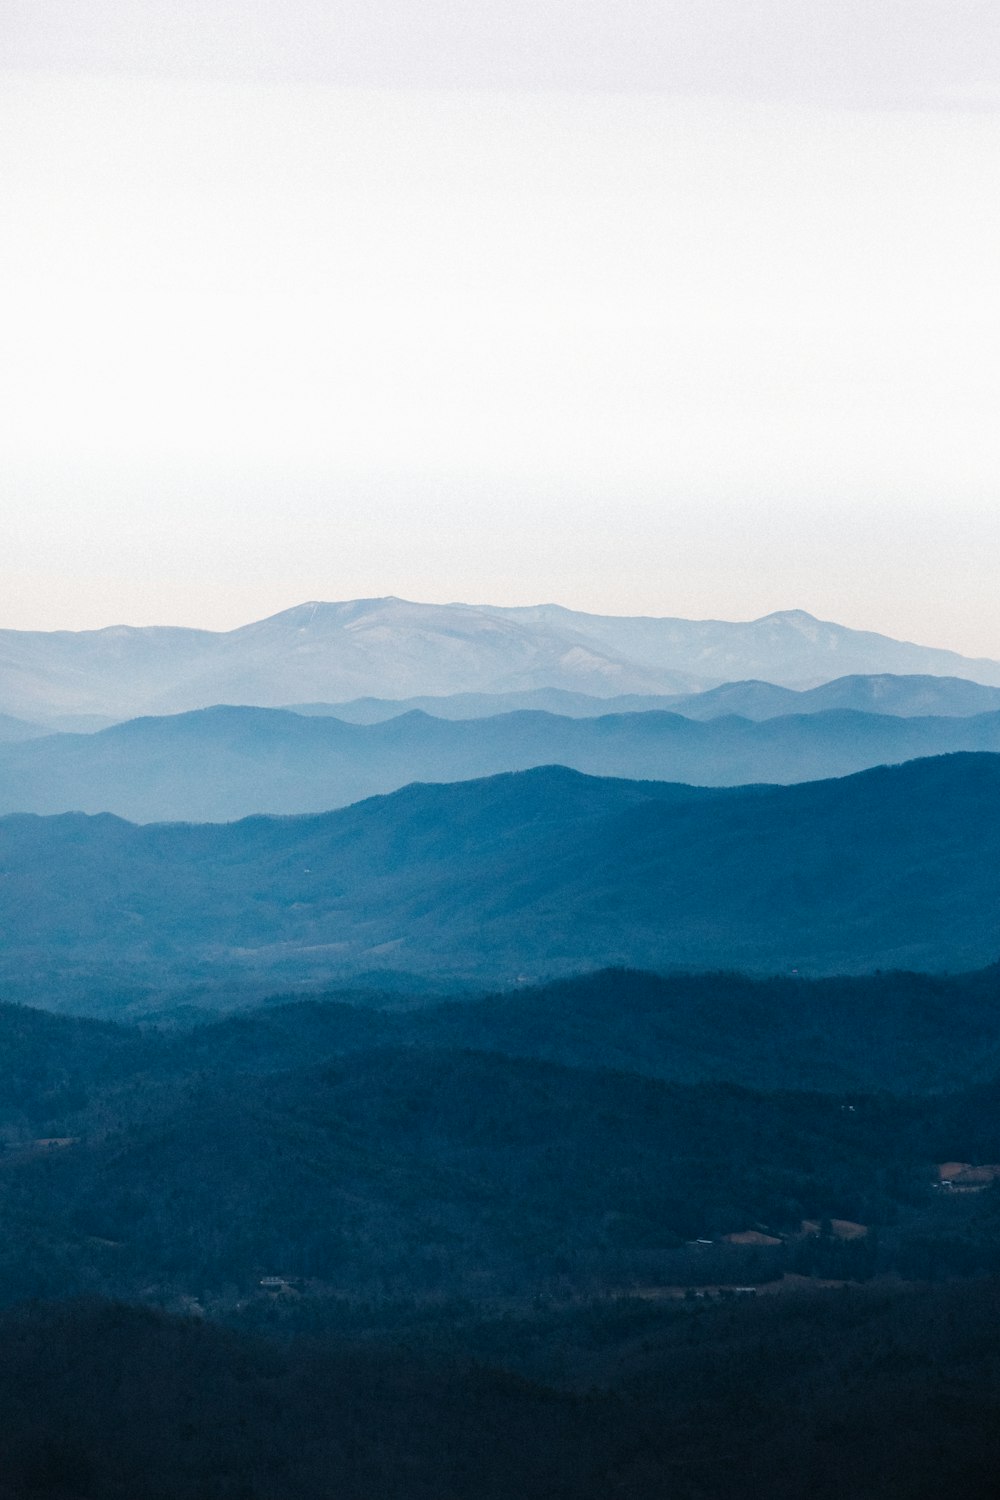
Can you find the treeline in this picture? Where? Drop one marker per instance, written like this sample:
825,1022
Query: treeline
861,1393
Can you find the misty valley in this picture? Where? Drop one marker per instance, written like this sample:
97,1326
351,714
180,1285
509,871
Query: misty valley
462,1053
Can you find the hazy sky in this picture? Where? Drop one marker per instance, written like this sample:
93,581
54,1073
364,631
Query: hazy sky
678,308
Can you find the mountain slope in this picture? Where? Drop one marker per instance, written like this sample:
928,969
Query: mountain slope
12,730
417,1168
893,1032
789,647
393,648
543,872
313,651
882,693
225,763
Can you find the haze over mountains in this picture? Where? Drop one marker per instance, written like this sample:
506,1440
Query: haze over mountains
637,860
222,763
12,730
393,648
884,693
493,1051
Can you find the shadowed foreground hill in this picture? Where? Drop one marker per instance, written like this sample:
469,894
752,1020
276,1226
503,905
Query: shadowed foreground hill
876,1395
137,1404
542,872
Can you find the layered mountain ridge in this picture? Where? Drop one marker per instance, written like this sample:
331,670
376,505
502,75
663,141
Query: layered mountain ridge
222,763
907,696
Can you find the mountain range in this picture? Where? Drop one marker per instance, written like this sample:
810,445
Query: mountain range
884,693
218,764
542,872
393,648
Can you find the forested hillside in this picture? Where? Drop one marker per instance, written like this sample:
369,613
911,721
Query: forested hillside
370,1153
412,1270
531,874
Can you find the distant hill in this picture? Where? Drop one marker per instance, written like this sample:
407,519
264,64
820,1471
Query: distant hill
12,730
489,705
313,651
225,763
393,648
538,873
789,647
883,694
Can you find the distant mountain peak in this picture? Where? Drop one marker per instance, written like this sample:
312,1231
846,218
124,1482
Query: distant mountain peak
389,647
794,617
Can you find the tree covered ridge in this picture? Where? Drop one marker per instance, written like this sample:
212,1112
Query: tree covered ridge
475,1147
541,873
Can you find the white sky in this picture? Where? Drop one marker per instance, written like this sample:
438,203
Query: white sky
680,308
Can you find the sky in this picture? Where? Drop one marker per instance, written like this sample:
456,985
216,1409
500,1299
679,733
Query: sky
683,307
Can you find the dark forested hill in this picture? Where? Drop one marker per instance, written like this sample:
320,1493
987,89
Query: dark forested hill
418,1171
225,763
413,1170
539,873
894,1032
410,1171
115,1402
867,1394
